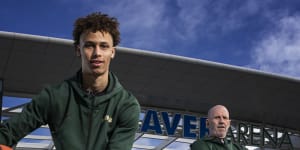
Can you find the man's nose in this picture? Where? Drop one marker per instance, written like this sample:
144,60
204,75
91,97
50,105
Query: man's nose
222,120
97,51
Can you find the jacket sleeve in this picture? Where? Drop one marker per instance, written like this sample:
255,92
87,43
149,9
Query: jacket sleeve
33,115
123,135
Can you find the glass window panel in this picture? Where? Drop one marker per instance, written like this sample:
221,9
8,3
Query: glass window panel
14,101
41,131
148,141
26,140
178,146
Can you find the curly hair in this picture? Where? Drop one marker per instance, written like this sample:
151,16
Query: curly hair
97,21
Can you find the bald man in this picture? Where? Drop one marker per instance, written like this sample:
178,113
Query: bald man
217,123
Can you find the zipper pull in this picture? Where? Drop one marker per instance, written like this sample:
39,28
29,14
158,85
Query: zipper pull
90,92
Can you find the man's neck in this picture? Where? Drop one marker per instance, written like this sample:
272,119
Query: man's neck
222,140
95,83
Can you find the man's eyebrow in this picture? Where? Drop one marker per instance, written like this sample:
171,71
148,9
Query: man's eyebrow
89,42
103,42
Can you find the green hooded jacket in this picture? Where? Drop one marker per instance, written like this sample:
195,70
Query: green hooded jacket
78,120
213,143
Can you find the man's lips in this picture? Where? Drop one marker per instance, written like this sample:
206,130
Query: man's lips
96,63
221,127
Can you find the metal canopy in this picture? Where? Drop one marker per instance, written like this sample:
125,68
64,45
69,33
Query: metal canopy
28,63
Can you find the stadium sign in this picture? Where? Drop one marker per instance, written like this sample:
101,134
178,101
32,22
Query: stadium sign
191,126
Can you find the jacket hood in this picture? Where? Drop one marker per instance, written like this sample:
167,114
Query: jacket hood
95,99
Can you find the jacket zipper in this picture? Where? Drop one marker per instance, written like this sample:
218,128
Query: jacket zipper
92,97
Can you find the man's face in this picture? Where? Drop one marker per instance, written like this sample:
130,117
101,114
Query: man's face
218,122
96,51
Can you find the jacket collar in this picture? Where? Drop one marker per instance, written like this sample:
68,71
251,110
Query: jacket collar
216,140
94,99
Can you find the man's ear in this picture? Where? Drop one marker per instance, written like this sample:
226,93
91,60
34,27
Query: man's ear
113,53
207,123
77,50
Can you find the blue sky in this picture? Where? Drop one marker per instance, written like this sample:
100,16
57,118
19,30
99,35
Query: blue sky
260,34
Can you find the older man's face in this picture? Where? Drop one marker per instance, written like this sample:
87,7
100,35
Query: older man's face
218,122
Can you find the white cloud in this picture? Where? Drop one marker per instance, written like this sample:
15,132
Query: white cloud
141,22
279,51
214,18
145,14
191,16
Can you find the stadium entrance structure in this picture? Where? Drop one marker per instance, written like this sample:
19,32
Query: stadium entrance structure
259,102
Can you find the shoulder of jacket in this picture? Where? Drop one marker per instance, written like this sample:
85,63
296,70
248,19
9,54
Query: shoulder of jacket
126,95
239,147
58,86
200,144
54,90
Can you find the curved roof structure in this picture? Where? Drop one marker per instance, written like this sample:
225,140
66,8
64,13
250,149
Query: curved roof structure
29,62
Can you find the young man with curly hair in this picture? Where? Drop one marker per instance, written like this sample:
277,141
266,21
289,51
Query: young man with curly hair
89,111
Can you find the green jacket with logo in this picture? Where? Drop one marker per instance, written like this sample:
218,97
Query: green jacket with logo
78,120
213,143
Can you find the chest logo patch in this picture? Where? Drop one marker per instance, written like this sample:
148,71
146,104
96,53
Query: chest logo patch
108,118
